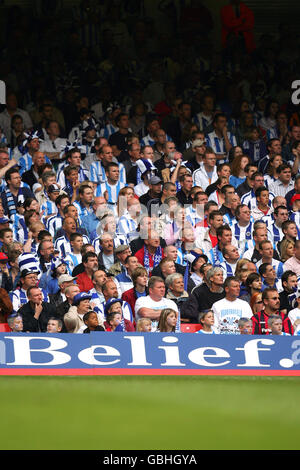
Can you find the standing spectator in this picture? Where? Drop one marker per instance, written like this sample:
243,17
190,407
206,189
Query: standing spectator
237,25
220,140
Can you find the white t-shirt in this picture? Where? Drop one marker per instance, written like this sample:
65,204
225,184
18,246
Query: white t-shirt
150,303
294,315
227,315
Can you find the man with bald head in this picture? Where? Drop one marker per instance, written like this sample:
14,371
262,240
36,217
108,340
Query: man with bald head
31,176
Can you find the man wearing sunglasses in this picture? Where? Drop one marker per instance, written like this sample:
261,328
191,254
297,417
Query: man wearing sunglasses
271,306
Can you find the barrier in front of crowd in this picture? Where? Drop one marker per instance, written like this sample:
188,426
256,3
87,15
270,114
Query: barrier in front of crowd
148,354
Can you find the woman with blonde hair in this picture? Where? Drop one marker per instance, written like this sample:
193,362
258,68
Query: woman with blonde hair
286,250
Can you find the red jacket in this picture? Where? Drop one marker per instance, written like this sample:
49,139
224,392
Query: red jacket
233,25
130,298
84,282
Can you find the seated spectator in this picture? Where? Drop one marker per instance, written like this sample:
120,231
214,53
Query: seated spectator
152,305
203,296
207,320
54,325
90,264
176,292
144,325
167,321
245,326
64,306
256,302
286,250
73,319
36,312
253,285
293,263
140,280
115,320
238,175
271,305
91,322
254,145
230,309
124,279
15,323
268,274
58,268
151,253
288,294
275,326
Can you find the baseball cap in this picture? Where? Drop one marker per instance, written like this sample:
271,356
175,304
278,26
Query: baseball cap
65,278
110,302
53,188
155,180
197,143
296,197
3,257
4,220
81,296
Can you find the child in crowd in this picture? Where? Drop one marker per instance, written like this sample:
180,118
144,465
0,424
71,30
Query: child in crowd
15,323
54,325
91,321
144,325
207,321
275,326
114,317
245,326
167,321
58,268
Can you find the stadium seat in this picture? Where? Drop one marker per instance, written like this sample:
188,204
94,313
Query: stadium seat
4,328
190,328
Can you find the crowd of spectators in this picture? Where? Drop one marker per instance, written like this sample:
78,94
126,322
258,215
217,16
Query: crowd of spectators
149,180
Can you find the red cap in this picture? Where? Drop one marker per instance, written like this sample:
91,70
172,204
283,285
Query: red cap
3,256
296,197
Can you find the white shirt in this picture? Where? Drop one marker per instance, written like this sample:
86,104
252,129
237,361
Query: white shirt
200,177
227,314
294,315
279,189
150,303
141,189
